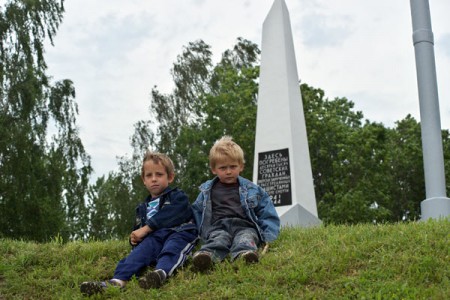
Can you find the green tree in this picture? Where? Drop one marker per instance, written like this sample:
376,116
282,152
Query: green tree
207,102
362,171
329,126
406,170
361,182
112,200
111,204
44,176
351,162
228,108
446,150
101,226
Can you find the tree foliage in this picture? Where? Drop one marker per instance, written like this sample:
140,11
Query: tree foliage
44,176
406,170
207,102
111,204
363,172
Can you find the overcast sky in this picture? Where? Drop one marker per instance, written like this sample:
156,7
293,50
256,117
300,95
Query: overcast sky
115,51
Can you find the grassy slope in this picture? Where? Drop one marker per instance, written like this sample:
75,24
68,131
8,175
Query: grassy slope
400,261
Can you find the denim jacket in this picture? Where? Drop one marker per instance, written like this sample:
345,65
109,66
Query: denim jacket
175,212
257,205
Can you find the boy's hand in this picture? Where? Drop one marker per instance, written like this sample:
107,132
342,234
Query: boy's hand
139,234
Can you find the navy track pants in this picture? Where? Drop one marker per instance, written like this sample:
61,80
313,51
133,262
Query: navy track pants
166,248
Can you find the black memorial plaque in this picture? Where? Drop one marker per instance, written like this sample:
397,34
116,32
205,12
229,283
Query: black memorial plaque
274,175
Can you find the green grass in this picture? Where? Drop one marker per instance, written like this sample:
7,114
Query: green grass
400,261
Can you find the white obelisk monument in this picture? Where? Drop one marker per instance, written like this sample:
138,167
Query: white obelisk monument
282,164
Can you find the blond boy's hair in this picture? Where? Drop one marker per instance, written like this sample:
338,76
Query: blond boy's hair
159,158
225,148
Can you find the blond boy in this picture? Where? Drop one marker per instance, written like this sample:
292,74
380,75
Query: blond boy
233,215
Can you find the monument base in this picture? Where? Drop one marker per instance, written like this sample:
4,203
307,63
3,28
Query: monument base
435,208
296,215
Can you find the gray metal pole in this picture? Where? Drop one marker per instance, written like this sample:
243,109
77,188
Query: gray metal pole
437,204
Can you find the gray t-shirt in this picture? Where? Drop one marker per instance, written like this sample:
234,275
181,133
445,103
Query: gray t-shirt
226,202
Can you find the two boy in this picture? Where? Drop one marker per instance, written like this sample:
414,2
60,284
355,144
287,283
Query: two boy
232,215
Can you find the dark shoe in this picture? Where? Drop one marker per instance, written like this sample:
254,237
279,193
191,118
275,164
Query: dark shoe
250,257
153,279
202,261
89,288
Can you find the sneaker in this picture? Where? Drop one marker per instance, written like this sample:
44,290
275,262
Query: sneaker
202,261
153,279
250,257
89,288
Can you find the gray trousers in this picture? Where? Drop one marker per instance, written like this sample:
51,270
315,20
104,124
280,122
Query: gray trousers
230,236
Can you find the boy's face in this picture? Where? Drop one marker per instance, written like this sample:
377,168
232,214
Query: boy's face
155,178
227,170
